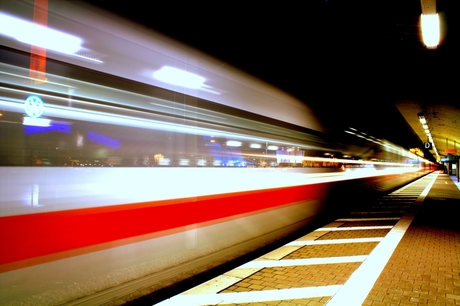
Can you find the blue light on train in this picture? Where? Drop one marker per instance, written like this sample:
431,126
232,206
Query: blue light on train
104,140
38,125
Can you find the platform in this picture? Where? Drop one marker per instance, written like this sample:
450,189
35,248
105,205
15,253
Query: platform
402,250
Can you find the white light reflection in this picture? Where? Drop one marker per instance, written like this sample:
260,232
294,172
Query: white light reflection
201,162
164,162
233,143
184,162
179,77
38,35
36,122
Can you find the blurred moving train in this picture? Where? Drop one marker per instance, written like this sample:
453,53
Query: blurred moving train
128,159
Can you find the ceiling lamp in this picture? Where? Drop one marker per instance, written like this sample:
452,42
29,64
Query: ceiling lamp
430,30
430,24
423,121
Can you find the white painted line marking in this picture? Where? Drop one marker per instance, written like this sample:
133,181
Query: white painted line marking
214,285
349,228
367,219
280,252
302,262
251,296
378,212
335,241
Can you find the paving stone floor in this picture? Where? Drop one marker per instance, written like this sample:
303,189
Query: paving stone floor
425,267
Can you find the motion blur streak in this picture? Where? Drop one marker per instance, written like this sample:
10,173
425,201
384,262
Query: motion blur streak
38,35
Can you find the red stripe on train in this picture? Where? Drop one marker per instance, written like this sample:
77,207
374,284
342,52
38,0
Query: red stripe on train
28,236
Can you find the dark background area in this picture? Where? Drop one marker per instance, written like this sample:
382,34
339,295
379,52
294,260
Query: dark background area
348,60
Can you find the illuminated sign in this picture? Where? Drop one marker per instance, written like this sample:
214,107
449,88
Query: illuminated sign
452,151
34,106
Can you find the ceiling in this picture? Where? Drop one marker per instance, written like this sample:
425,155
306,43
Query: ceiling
443,120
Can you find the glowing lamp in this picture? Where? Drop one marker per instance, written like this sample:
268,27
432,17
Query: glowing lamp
430,30
421,117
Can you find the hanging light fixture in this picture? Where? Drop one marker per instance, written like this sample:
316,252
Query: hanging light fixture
430,30
423,121
430,24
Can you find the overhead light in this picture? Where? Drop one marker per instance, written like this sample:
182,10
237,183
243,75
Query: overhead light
422,119
430,30
38,35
